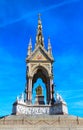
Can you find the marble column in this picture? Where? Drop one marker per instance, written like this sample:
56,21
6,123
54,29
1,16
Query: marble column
51,82
48,91
30,89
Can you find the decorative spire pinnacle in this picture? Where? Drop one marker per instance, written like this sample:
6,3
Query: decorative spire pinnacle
39,37
30,47
49,47
30,42
49,44
39,18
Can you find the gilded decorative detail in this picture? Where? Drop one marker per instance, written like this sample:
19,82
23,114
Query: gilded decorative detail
39,91
39,56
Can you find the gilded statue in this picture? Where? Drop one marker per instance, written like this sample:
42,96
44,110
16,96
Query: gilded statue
39,91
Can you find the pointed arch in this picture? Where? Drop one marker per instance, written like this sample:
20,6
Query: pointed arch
39,82
41,67
41,72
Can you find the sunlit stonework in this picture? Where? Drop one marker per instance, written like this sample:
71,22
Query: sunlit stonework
39,64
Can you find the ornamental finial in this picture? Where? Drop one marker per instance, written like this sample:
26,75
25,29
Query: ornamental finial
39,19
39,16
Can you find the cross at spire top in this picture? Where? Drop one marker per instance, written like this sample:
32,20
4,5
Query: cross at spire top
39,19
39,37
39,16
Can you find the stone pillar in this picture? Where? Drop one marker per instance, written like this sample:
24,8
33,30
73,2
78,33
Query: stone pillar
48,91
30,89
51,82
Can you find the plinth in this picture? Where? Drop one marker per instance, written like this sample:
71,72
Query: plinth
39,100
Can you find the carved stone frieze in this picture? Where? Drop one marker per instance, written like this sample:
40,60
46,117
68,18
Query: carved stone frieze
58,108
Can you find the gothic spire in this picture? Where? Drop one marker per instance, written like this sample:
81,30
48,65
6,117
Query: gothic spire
39,37
49,47
30,47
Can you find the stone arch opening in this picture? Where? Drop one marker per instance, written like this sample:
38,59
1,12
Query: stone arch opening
38,83
41,72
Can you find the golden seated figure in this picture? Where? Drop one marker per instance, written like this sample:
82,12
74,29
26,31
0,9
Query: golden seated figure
39,91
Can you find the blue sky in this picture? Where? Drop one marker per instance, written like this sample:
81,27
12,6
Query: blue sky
62,20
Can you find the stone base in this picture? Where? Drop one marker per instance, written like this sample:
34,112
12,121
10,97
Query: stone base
24,108
44,122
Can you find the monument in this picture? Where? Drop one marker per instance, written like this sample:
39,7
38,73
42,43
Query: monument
47,112
39,64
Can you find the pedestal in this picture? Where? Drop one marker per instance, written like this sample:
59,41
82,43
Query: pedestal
39,100
25,109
